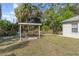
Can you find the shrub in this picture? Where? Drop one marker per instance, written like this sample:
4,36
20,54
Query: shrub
10,33
7,28
45,28
2,33
30,33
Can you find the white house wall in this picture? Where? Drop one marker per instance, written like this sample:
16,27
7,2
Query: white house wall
67,31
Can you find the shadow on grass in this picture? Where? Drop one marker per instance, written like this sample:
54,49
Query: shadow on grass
15,46
6,39
9,54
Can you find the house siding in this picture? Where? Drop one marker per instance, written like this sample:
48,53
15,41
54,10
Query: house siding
67,31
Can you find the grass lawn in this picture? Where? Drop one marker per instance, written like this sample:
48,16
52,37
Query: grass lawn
46,45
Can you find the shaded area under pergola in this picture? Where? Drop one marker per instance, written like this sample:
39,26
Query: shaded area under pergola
31,24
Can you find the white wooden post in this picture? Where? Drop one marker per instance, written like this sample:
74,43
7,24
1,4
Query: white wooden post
20,31
39,31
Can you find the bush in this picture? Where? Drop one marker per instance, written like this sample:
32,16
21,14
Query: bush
45,28
2,33
10,33
7,28
30,33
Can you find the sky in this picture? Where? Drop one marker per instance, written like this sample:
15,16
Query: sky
8,11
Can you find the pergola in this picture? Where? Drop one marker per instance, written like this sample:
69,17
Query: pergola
32,24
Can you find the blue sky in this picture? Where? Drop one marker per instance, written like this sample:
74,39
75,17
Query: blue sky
8,11
7,8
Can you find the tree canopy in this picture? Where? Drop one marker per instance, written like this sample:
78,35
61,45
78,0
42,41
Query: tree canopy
52,16
26,11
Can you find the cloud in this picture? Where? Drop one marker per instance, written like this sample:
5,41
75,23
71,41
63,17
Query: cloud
12,13
5,16
15,5
10,18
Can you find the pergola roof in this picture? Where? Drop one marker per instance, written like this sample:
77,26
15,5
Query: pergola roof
29,23
76,18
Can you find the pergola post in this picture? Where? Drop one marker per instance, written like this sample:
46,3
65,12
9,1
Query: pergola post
32,24
39,31
20,31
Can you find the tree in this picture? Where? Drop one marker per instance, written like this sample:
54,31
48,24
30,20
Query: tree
6,26
55,16
55,21
72,7
26,11
52,16
75,8
23,12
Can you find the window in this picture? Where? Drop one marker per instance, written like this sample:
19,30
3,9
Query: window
74,27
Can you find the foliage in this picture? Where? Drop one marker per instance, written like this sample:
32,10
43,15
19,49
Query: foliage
7,28
4,24
45,28
22,12
66,12
26,11
74,8
54,17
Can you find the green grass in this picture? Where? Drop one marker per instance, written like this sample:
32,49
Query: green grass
46,45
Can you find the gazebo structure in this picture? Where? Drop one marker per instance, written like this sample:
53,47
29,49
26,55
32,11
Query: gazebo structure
31,24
